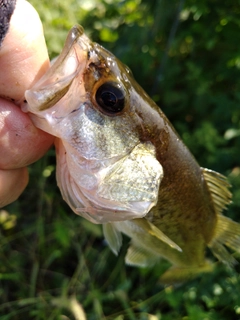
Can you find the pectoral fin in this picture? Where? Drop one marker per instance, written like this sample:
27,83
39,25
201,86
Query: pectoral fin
140,257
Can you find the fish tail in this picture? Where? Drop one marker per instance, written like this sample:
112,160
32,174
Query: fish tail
178,275
227,234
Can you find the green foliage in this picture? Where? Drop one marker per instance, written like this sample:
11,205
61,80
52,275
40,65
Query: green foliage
54,262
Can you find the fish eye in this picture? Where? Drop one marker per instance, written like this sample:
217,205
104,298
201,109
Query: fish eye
110,96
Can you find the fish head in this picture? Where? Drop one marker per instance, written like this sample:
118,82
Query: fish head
106,169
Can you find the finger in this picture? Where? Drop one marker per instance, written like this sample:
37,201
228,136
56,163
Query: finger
12,184
21,142
23,59
23,54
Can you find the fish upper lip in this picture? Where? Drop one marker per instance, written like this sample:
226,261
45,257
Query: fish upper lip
77,35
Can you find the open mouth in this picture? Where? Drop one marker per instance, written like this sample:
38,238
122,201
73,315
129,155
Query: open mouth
70,64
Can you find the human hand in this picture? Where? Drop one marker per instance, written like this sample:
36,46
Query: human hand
23,60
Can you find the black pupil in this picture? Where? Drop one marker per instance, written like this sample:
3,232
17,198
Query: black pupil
110,97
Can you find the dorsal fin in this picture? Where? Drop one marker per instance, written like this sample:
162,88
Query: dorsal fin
218,186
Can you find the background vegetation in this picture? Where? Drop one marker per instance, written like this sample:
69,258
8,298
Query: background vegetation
186,55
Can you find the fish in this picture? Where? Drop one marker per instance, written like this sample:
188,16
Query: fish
120,163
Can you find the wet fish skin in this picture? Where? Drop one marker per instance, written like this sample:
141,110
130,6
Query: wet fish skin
128,168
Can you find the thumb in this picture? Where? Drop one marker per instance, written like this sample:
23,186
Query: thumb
23,54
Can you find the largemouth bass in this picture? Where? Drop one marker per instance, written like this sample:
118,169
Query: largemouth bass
121,163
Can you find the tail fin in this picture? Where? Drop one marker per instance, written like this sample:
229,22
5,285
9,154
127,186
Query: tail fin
227,233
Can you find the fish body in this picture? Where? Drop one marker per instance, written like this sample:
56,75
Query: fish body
121,163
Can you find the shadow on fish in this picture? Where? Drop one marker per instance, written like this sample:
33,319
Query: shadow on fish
121,163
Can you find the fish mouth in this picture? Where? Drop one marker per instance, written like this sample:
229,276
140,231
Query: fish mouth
68,66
